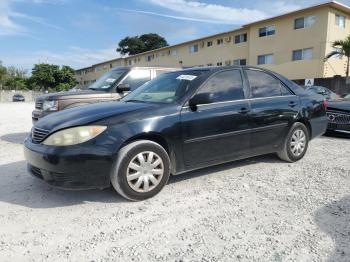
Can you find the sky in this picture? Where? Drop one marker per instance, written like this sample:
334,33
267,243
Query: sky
80,33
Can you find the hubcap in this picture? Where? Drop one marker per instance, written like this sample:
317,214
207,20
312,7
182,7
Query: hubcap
298,142
145,171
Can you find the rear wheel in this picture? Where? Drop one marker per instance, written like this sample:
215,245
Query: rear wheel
295,144
141,170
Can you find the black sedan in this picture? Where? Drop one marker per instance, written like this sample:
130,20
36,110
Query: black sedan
338,113
178,122
18,98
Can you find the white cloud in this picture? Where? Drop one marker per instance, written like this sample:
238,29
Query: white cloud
199,11
7,25
9,19
75,57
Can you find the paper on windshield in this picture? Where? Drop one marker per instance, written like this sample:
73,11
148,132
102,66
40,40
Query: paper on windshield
186,77
104,87
110,80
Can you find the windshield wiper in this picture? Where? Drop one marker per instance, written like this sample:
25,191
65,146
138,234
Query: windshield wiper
135,101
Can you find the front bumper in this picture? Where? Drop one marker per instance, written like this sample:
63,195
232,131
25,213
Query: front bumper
338,128
83,166
338,122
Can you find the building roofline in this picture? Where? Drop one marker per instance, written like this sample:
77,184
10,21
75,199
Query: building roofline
333,4
245,27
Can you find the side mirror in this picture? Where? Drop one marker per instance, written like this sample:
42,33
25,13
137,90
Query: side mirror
123,88
200,99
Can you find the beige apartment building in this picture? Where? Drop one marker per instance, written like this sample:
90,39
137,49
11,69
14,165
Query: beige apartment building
293,44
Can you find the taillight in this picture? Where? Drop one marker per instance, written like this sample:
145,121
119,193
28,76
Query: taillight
325,103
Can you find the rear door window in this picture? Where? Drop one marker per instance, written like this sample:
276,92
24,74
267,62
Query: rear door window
265,85
225,86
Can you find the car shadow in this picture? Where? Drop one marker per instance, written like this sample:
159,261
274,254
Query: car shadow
336,135
15,138
271,158
20,188
334,220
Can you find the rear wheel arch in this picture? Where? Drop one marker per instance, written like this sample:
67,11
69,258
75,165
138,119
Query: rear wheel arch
307,124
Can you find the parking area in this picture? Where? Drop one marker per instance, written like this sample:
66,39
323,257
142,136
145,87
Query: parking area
259,209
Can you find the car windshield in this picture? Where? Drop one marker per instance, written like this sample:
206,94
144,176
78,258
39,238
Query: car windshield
167,88
105,82
347,97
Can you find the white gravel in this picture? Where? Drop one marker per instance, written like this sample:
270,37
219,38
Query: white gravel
259,209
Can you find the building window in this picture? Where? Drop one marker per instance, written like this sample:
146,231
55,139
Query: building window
149,58
267,31
240,38
304,22
302,54
340,21
174,52
240,62
130,62
220,41
227,62
209,44
219,63
265,59
210,64
193,48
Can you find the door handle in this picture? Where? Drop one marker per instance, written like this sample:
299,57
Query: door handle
292,104
244,110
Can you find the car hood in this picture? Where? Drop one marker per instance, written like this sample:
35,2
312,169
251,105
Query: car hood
73,95
339,104
89,114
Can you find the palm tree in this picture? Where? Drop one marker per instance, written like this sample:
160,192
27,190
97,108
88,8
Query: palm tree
342,49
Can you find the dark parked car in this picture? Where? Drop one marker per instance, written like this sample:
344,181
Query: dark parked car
338,110
178,122
338,113
325,92
18,98
111,86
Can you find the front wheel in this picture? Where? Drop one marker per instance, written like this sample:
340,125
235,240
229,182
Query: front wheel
295,144
141,170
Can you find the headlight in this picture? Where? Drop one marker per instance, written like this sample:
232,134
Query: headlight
50,105
73,136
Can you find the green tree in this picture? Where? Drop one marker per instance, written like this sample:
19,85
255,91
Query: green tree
342,49
66,77
139,44
52,77
3,73
45,75
15,79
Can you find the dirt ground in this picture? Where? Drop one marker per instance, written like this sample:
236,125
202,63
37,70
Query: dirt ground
260,209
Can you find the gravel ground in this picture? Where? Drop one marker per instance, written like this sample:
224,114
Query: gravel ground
259,209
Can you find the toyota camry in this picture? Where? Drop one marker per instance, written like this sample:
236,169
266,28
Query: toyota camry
177,122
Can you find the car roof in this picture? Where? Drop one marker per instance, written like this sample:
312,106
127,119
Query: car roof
143,67
220,68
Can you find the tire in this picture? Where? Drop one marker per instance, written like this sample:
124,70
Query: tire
130,176
298,132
